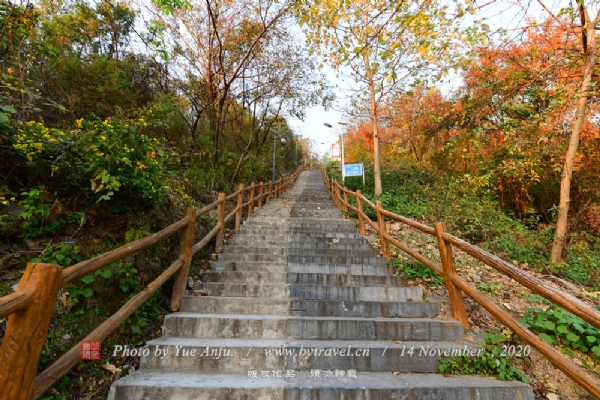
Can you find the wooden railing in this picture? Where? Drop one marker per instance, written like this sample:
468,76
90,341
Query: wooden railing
29,309
457,285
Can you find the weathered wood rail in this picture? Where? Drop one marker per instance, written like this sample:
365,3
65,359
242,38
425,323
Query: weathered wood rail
457,285
30,308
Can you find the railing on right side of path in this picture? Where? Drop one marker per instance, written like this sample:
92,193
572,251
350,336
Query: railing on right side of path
30,308
457,285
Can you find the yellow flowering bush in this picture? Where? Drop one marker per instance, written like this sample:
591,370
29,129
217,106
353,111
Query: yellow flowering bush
111,154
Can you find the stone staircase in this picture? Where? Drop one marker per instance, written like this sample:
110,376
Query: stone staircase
300,306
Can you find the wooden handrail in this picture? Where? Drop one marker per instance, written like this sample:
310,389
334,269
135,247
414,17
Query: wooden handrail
565,300
410,222
457,285
576,373
208,207
233,195
14,302
29,309
86,267
198,246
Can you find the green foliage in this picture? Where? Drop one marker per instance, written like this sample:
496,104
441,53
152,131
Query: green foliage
489,290
111,154
169,6
583,262
493,362
525,247
416,270
62,254
557,326
36,212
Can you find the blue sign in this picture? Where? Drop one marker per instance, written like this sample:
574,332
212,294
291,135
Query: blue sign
353,170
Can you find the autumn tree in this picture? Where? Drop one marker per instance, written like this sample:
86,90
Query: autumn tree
575,26
217,43
388,46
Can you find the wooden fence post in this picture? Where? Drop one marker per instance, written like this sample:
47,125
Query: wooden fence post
385,251
251,205
240,207
457,302
269,189
361,221
221,223
333,190
185,252
345,199
26,332
260,195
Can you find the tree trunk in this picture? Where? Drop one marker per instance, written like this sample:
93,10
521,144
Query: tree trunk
591,58
376,166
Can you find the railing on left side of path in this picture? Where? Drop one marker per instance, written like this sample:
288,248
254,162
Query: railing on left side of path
457,285
30,308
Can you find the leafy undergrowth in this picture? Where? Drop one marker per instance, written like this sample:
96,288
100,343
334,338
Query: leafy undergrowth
496,360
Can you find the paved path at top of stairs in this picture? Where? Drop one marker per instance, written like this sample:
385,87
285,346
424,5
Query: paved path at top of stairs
299,306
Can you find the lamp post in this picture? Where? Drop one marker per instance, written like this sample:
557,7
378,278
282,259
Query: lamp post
283,141
342,140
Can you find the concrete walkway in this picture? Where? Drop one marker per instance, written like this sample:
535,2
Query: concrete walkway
300,306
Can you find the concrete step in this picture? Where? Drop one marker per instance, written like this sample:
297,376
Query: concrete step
328,240
249,242
304,307
266,277
311,215
310,292
180,385
324,228
349,269
330,245
346,280
331,234
334,259
263,237
260,230
334,252
275,291
357,293
241,355
258,266
253,276
280,223
241,258
316,328
257,249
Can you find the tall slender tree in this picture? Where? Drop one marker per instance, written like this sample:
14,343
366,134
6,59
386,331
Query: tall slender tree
388,46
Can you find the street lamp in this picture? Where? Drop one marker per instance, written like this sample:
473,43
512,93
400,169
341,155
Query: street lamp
342,140
283,141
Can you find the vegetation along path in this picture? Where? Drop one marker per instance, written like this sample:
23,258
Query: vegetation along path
299,306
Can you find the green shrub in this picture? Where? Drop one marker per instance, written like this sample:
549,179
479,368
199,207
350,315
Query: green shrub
111,154
414,269
557,326
493,361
